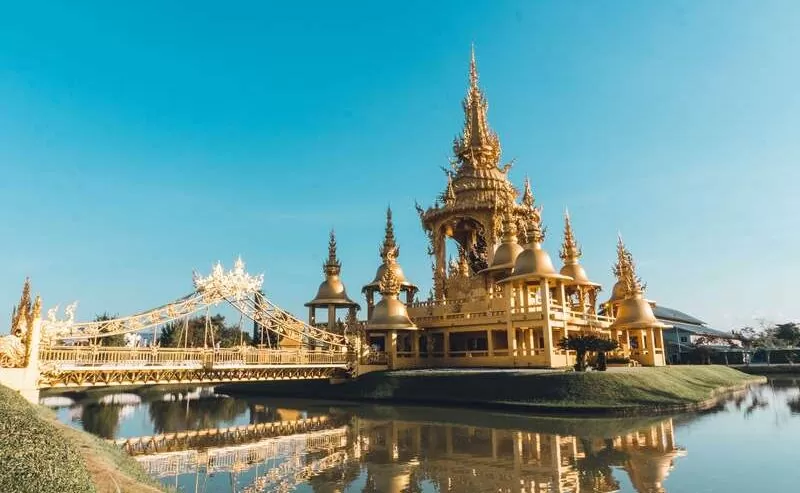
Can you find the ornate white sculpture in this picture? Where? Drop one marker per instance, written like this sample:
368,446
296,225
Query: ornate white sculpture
234,284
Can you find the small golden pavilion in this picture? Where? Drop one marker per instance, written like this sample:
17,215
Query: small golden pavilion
500,302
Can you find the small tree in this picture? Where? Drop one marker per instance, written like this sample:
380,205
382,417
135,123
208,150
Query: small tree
116,340
583,344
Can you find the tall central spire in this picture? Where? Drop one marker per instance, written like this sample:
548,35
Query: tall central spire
478,146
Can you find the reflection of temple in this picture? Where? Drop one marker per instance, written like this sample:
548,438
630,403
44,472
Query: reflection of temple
403,456
394,456
499,301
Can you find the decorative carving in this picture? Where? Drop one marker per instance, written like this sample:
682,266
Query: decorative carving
234,284
625,270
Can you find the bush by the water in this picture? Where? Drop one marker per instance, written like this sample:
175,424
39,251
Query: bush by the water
35,455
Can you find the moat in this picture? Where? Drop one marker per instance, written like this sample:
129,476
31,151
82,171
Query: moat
746,443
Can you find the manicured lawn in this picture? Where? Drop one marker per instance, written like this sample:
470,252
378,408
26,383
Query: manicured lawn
617,388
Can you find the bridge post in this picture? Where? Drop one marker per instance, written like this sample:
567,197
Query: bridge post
25,379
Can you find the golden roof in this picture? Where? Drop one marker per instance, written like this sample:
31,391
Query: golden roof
331,291
570,253
390,313
534,262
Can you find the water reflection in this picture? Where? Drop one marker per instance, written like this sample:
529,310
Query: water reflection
207,442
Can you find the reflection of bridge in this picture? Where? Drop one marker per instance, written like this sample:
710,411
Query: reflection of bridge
282,448
218,437
43,353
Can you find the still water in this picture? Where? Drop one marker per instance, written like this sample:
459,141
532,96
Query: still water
750,443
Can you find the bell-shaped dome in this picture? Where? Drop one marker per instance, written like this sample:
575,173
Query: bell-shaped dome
534,263
578,275
397,272
390,313
332,292
635,312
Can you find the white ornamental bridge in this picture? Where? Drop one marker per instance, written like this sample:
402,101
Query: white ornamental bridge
44,354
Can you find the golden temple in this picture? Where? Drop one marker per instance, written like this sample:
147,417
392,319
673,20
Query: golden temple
501,302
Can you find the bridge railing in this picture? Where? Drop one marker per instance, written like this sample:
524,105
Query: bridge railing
91,356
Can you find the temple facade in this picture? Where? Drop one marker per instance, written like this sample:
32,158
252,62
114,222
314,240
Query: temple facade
497,300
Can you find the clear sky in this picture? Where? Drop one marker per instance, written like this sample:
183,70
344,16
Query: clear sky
144,140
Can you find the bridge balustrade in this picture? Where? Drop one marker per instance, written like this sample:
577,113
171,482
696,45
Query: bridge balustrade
93,356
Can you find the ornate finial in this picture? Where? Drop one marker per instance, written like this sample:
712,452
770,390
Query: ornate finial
473,70
527,194
533,231
449,197
389,250
509,228
332,267
625,270
478,146
389,285
570,251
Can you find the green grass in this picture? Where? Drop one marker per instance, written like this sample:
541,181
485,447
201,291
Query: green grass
620,390
40,455
35,455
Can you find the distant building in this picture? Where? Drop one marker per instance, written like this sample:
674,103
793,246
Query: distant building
688,331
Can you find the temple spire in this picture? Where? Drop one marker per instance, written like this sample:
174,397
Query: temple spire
527,194
333,266
570,251
389,250
478,147
625,270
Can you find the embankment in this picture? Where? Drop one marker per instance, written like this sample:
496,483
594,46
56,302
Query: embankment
40,455
620,391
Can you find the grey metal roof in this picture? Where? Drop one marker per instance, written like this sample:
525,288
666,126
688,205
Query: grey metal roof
672,315
697,329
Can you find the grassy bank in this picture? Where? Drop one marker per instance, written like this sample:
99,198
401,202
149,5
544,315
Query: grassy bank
619,391
40,455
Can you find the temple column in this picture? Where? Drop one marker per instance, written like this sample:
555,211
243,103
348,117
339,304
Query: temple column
414,343
332,318
525,297
391,347
531,342
446,348
489,342
312,319
512,339
547,327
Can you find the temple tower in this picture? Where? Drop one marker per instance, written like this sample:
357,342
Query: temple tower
331,293
477,195
580,291
635,325
389,251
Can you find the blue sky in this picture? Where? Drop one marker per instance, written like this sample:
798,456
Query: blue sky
141,141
